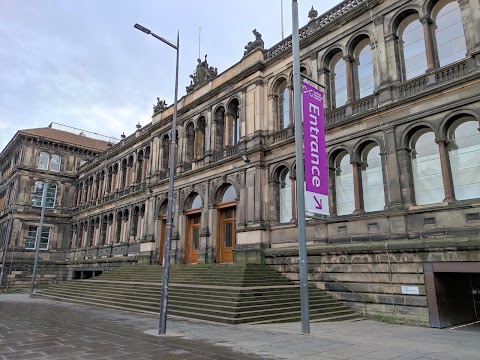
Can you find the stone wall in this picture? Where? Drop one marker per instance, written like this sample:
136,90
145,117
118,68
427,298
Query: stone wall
369,276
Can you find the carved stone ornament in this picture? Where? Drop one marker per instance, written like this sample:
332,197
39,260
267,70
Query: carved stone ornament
160,106
202,75
312,14
252,45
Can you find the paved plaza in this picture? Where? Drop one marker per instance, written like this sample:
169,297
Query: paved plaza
32,328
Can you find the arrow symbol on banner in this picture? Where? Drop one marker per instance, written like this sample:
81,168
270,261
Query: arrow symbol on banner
319,203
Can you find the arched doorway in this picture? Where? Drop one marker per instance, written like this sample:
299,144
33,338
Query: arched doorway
193,214
227,230
163,231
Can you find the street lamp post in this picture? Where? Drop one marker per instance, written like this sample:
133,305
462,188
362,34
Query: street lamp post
39,234
168,239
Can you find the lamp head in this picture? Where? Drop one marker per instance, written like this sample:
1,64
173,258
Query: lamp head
141,28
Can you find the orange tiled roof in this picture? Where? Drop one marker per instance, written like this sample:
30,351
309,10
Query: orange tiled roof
67,138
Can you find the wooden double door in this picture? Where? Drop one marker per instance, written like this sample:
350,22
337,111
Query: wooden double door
192,236
226,236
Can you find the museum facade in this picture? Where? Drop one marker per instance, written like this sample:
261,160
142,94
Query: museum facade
402,112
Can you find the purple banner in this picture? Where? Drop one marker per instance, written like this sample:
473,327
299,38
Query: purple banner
316,172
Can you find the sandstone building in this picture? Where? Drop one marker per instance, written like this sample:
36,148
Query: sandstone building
402,90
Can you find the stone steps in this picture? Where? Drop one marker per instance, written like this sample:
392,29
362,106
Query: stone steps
231,294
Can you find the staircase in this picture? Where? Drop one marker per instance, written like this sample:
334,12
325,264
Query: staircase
230,293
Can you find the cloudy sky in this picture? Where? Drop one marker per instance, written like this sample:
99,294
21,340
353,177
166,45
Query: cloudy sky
81,63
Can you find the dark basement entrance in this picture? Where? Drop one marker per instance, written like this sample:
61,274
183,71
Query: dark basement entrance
453,293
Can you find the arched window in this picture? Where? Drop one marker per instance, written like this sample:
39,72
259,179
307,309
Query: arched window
140,167
103,232
282,105
220,128
43,160
344,187
338,81
426,168
190,142
363,69
411,41
136,212
285,196
55,162
125,225
449,33
230,194
232,128
166,152
372,179
464,155
123,182
200,139
197,202
118,234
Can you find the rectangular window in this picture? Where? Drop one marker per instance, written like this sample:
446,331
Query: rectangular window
31,236
38,193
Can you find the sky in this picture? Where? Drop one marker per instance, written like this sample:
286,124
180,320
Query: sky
81,63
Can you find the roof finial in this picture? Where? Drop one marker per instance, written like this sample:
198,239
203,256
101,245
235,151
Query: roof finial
123,136
312,14
138,126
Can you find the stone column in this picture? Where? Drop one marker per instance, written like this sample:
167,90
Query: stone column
405,177
155,155
208,135
290,105
294,199
446,170
150,218
429,49
203,255
350,86
247,199
470,10
380,62
393,191
357,187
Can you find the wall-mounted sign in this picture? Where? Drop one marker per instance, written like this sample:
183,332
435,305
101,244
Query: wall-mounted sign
410,290
316,173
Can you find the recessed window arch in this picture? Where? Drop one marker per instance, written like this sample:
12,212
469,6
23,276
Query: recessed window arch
165,152
282,104
344,186
200,138
49,162
140,167
229,194
363,68
190,142
338,80
232,123
372,178
464,156
220,128
411,47
449,34
285,196
196,202
426,168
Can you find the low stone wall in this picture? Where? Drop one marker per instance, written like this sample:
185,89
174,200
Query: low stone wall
18,272
369,276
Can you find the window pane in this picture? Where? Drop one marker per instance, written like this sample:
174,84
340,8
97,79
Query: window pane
197,202
31,236
55,163
412,48
345,200
364,81
426,168
372,181
449,34
464,153
338,76
230,194
196,238
51,195
228,240
37,194
43,161
285,197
